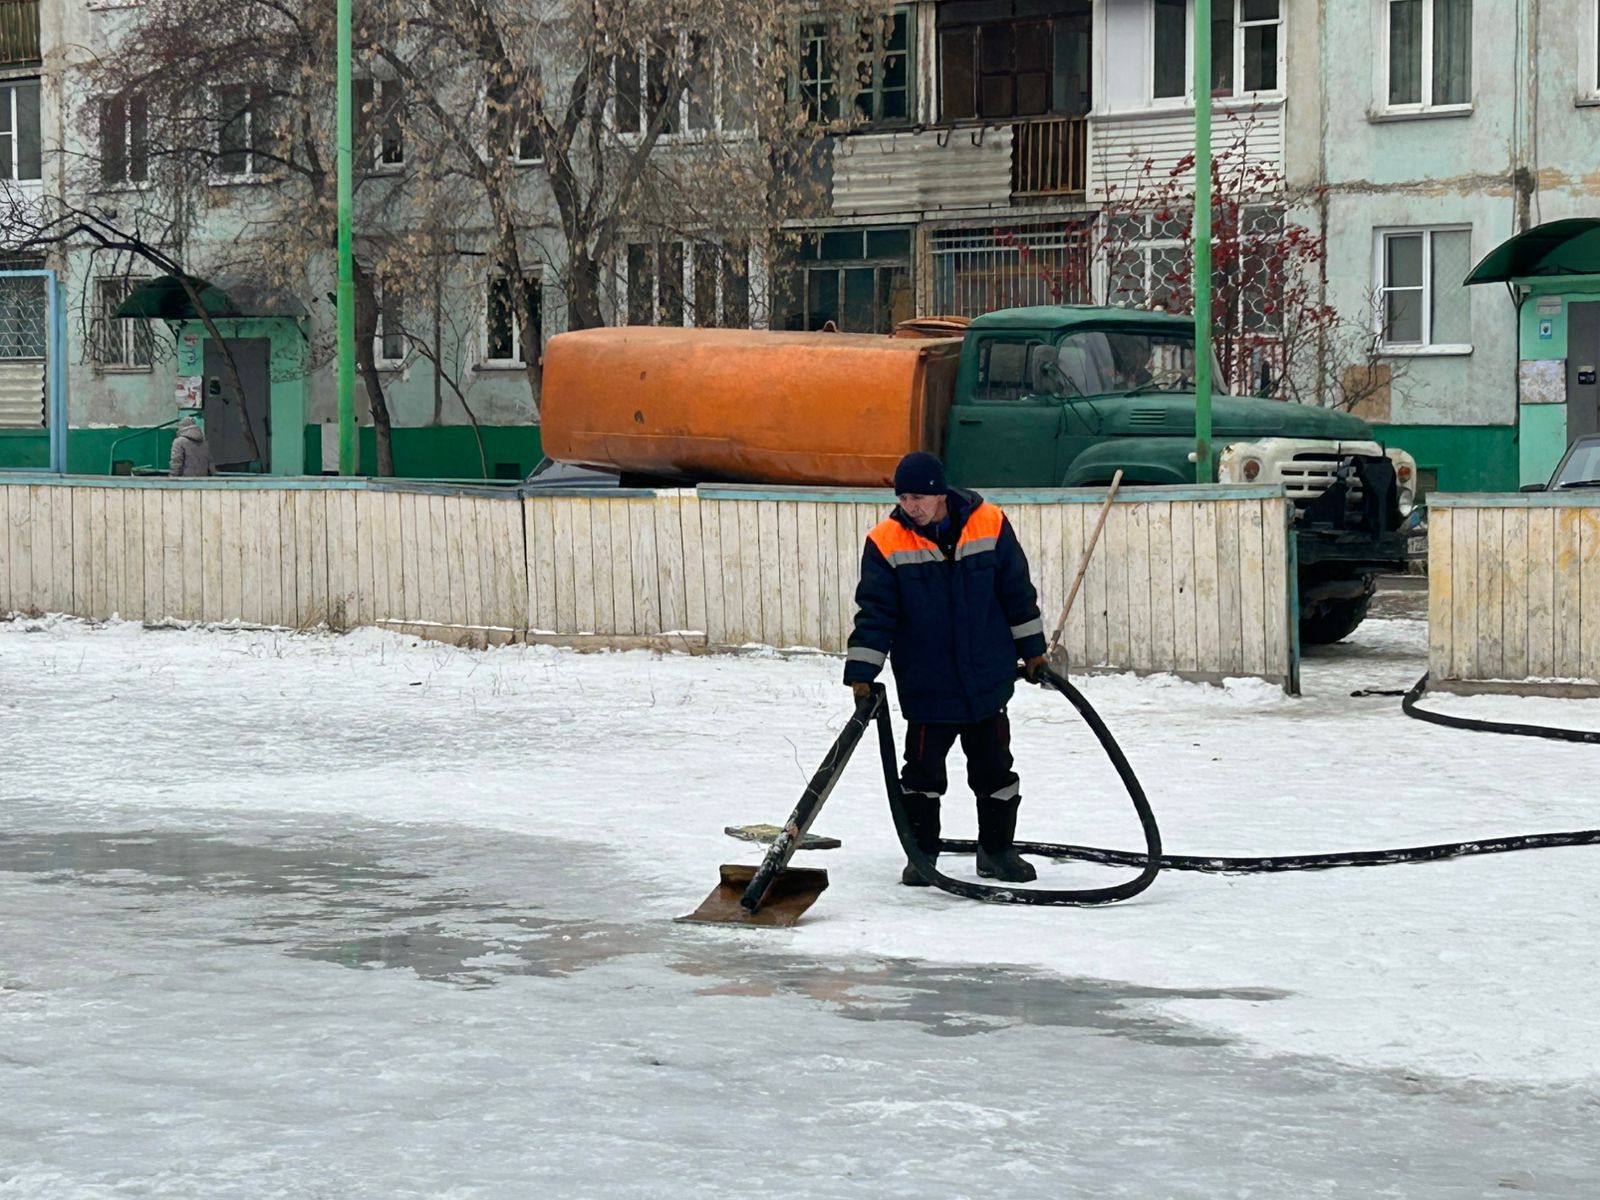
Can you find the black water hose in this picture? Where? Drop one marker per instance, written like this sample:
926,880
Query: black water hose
1409,706
1152,861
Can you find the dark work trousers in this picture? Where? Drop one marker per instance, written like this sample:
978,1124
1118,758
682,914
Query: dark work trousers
987,745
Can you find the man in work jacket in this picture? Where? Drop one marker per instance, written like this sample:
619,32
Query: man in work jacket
945,598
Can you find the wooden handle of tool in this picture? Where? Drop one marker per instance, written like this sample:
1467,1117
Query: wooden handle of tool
1083,564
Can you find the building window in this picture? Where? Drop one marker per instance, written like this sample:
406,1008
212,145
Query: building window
694,66
119,341
244,135
706,284
529,147
504,346
856,279
1246,48
378,107
1422,302
879,74
389,336
994,64
22,317
124,140
1429,53
1170,54
979,270
20,157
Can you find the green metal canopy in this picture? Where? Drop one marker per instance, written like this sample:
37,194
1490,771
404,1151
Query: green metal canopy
1556,248
165,299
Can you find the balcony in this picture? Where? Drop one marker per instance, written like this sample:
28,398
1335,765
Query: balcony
1049,158
19,32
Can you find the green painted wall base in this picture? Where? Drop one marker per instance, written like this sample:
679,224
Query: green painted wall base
429,452
1464,458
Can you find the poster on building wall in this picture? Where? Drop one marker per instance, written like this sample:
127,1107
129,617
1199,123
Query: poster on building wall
187,392
1543,380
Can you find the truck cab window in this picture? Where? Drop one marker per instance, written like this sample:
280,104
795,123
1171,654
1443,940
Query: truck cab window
1006,371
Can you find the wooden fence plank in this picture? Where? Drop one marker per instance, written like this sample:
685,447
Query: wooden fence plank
1541,593
133,557
288,562
694,566
1441,602
541,553
372,562
768,573
749,546
1046,561
1252,590
41,508
646,581
78,548
566,607
8,604
1464,583
394,522
1491,589
1119,645
1185,615
583,582
735,621
621,570
599,551
711,554
99,565
1514,594
1589,595
827,575
1163,617
1141,633
511,554
668,516
787,547
1207,615
1275,591
1230,515
469,519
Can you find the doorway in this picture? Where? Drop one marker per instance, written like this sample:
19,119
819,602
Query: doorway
230,449
1583,360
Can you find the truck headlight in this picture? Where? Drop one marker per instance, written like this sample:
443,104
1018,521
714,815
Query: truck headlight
1250,469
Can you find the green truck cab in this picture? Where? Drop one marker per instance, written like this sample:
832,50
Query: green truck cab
1064,396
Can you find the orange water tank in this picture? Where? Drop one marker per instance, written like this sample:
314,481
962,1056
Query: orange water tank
745,406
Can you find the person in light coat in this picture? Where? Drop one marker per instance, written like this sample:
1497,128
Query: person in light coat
190,454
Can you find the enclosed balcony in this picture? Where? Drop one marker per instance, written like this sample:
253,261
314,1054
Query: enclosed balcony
19,33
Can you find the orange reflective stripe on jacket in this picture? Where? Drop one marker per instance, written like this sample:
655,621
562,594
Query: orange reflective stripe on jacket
982,530
900,546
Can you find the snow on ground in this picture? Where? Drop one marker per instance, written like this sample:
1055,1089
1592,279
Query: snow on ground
1479,968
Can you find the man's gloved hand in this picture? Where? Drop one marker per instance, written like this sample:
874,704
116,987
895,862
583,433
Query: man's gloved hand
1033,668
861,691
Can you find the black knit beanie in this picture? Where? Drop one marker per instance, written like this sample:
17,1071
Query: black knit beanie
919,474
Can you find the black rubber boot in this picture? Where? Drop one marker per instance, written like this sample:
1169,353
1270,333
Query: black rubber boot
923,813
997,827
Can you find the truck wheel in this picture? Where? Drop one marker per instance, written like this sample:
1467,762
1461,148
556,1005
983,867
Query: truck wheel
1332,621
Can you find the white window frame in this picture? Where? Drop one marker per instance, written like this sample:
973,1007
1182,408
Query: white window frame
681,133
381,295
126,182
534,277
517,157
1426,347
250,174
1589,58
688,284
1426,105
1239,26
126,332
14,138
374,125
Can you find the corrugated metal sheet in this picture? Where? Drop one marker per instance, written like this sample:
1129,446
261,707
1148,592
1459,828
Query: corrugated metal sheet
21,393
1120,146
908,172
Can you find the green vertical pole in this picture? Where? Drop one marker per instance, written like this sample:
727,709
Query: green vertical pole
346,297
1202,240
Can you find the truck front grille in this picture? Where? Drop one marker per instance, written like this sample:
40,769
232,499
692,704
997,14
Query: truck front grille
1308,475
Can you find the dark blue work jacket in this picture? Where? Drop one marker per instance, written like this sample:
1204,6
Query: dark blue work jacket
952,611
